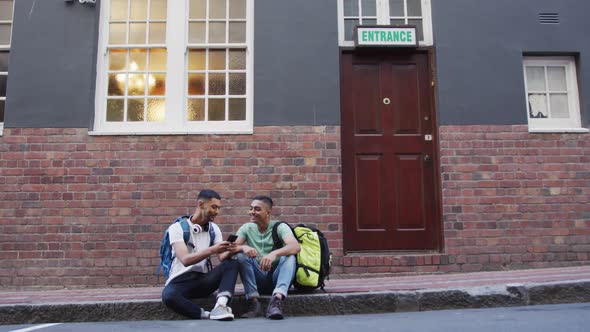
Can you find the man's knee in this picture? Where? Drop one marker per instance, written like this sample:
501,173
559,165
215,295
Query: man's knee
169,296
242,259
289,260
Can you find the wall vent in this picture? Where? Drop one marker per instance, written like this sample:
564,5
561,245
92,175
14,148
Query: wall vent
549,18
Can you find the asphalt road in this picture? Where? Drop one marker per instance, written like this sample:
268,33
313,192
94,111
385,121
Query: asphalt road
565,317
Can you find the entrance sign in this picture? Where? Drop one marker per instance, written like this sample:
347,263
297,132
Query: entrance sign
389,36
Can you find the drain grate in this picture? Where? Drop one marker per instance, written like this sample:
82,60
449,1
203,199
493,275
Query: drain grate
549,18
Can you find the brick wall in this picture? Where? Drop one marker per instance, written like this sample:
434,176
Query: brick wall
89,211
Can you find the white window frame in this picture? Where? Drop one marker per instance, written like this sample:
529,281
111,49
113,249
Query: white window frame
176,122
6,48
553,125
383,19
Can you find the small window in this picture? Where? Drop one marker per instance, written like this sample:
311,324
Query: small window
384,12
552,94
6,15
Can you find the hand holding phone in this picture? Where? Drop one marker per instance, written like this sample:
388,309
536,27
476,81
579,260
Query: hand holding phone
232,238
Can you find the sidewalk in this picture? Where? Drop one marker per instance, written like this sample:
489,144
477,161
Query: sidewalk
343,296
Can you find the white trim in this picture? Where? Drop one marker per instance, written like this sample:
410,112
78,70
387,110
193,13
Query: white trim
177,46
1,128
383,18
571,124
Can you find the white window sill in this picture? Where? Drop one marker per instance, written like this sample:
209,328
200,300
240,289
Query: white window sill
1,128
559,130
135,133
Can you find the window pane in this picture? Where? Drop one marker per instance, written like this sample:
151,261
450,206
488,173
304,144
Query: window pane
118,9
157,59
157,84
398,22
137,33
196,33
138,10
6,10
3,79
556,78
396,8
419,29
351,8
237,32
117,59
196,60
115,110
158,10
369,8
117,33
237,109
538,106
5,33
4,60
237,9
216,109
349,28
216,59
216,84
198,9
117,84
157,33
156,111
237,59
136,85
559,106
369,22
414,8
137,60
535,78
237,84
196,110
216,32
2,110
196,84
217,9
135,109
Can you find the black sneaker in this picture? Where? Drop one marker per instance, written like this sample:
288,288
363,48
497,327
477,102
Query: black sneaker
275,308
254,310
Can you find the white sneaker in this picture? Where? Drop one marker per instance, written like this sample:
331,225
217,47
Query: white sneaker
221,312
205,314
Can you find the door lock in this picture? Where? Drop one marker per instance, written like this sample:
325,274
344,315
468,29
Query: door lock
427,158
386,101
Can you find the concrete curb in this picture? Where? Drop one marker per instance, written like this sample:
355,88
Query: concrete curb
315,304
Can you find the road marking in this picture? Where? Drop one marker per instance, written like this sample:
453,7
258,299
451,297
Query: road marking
32,328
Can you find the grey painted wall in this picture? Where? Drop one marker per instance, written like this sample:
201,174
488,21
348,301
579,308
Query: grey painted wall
296,65
479,48
53,60
52,64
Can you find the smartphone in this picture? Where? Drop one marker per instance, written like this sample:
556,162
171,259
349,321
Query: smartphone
232,238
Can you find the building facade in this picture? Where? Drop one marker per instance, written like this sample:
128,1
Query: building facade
421,136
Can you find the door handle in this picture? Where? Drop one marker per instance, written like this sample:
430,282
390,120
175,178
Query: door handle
427,158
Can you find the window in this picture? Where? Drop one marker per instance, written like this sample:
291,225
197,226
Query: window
174,67
384,12
552,94
6,14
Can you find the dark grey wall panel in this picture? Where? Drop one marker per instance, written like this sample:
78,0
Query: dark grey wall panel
296,67
479,47
52,64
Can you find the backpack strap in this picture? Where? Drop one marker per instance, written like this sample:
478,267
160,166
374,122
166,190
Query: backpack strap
186,231
277,243
211,230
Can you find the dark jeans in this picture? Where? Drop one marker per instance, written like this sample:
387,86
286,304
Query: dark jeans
192,285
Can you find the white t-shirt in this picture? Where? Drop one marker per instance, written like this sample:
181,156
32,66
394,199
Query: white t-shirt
200,241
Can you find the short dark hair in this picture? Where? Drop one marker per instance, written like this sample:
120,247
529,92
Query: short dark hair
267,200
207,195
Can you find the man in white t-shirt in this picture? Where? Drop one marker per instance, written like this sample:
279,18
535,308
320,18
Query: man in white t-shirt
189,278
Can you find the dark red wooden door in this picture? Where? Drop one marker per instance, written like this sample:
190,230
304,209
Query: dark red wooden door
388,147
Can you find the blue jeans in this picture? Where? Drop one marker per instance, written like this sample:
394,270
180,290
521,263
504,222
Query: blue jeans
191,285
255,280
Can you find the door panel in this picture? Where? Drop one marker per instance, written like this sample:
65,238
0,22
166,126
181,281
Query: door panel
388,166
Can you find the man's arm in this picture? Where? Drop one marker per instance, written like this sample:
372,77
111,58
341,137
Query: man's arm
240,246
291,247
187,258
